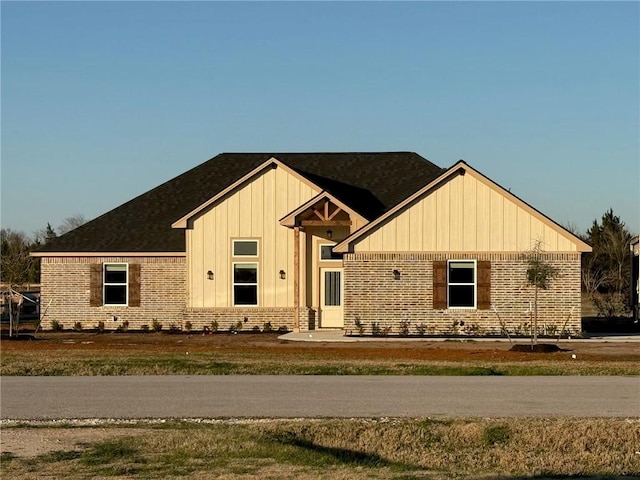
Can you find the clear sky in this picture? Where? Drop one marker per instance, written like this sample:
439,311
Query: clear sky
102,101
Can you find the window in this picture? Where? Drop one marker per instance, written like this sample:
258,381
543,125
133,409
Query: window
461,284
245,274
115,283
327,253
245,284
245,248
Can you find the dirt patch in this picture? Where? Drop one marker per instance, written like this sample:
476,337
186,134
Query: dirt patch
268,344
32,442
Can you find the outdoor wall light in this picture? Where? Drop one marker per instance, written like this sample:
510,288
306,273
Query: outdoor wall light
329,234
396,274
283,275
210,275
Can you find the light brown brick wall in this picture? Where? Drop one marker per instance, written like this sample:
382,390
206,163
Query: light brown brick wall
65,293
373,295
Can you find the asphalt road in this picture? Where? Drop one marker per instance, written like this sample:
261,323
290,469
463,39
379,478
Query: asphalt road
31,398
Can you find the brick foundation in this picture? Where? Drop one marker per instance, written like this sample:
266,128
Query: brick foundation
248,318
372,294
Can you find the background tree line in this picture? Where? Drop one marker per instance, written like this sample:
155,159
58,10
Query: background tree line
606,271
17,267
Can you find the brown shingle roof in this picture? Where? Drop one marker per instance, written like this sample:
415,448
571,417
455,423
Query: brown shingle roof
370,183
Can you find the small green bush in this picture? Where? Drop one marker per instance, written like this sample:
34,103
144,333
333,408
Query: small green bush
100,327
214,326
421,329
144,327
188,326
56,326
266,328
156,325
359,326
378,331
404,328
173,328
77,327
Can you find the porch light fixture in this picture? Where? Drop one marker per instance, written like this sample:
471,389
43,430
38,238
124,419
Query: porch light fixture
329,234
396,274
283,275
210,275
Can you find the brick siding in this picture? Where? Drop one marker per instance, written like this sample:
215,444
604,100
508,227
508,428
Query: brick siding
65,293
372,294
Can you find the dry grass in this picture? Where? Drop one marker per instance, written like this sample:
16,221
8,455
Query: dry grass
266,363
351,449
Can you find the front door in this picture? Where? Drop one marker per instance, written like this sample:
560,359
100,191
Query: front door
331,294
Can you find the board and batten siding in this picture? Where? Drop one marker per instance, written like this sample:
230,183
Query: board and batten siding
464,214
252,211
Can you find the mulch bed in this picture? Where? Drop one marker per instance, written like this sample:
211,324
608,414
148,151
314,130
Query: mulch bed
538,348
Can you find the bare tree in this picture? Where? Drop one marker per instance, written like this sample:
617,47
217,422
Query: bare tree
16,268
16,264
71,223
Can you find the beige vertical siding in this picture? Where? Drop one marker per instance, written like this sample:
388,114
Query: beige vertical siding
251,211
465,214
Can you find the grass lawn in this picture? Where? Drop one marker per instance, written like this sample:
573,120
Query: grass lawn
345,449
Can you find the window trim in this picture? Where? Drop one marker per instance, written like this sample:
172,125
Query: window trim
233,247
256,284
106,284
475,285
324,244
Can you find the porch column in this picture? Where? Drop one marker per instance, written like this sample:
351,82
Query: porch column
296,278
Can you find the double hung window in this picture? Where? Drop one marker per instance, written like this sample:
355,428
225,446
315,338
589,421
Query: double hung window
245,272
461,283
115,283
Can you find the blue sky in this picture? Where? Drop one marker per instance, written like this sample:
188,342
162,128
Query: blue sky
102,101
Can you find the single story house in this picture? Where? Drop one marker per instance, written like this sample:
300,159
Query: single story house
315,240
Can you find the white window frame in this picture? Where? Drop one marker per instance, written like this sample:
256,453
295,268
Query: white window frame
324,244
106,284
475,285
245,240
256,284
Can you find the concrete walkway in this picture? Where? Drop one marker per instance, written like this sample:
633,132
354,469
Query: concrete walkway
338,336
